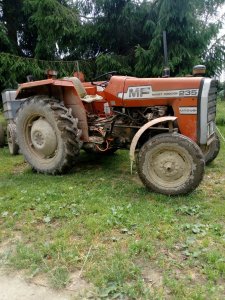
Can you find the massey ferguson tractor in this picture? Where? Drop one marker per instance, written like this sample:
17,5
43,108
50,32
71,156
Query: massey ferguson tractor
168,124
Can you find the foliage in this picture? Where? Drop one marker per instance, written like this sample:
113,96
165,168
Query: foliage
110,27
188,37
4,40
14,69
53,23
113,63
214,57
123,35
11,18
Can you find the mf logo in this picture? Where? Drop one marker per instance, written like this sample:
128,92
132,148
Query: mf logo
138,92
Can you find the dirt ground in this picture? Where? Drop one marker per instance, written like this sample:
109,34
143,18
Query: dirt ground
14,287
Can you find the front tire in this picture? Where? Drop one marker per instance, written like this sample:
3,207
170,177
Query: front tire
47,135
212,150
170,164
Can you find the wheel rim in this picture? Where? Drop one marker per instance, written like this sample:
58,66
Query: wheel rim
169,166
41,138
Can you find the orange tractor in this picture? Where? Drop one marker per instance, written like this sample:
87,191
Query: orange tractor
167,123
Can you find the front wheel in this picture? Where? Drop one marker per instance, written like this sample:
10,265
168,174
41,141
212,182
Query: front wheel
212,150
171,164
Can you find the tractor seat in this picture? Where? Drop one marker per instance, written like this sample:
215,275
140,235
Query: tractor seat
81,90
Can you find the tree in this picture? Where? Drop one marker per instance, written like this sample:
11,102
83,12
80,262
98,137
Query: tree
213,54
121,34
5,45
10,18
37,27
53,22
189,35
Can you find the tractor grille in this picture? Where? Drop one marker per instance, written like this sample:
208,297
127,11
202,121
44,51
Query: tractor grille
206,110
212,101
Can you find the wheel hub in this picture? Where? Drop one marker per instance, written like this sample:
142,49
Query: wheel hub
169,165
38,138
43,137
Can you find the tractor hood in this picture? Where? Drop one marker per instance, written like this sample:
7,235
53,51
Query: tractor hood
132,91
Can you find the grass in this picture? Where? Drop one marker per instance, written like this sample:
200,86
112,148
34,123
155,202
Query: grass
221,113
101,222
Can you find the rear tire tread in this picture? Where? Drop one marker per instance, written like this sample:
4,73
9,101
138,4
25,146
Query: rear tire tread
63,121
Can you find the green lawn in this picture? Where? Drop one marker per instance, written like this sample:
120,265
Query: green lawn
100,220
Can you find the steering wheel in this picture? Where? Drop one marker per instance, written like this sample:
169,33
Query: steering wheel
104,83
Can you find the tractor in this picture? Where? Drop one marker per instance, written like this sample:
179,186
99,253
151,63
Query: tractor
168,125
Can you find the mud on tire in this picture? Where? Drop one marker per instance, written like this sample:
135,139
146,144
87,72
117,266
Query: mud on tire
47,135
170,164
212,150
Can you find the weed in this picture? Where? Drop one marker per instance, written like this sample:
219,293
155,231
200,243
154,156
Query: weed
59,277
189,210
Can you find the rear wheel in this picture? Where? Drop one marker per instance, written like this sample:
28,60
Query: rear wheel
2,136
170,164
11,138
212,150
48,135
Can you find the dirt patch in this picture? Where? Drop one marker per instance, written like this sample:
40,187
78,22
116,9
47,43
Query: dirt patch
150,273
136,179
8,246
15,287
20,168
78,284
153,278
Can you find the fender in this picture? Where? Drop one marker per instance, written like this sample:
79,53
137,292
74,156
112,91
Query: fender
142,130
69,90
